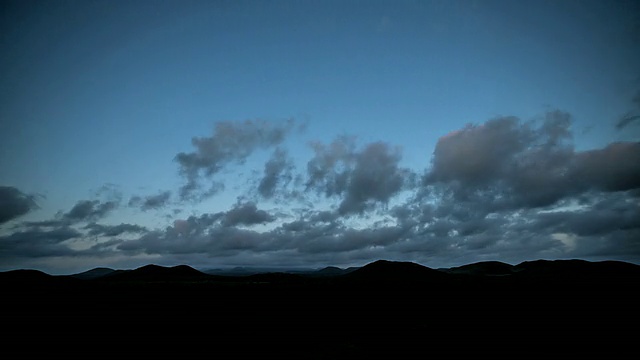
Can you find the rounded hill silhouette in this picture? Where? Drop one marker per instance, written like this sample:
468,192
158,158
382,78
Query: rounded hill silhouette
395,272
157,273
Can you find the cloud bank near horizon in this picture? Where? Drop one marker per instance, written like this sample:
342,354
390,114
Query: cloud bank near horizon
506,189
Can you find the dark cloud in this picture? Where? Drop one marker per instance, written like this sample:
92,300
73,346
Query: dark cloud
46,223
245,214
151,202
362,178
14,203
301,240
374,179
217,241
350,240
328,170
478,155
113,230
506,189
600,215
613,168
38,243
82,211
505,163
630,116
230,142
626,119
277,172
86,210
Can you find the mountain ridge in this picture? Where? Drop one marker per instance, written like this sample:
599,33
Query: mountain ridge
395,306
381,270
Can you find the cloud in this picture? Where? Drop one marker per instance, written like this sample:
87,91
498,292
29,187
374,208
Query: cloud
245,214
277,171
85,210
14,203
613,168
375,178
627,119
478,154
508,164
362,178
328,170
592,221
151,202
82,211
600,224
630,116
504,189
230,142
114,230
36,243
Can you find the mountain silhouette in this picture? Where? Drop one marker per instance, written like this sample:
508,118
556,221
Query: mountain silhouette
484,268
332,271
26,275
95,273
380,271
157,273
394,272
577,270
392,308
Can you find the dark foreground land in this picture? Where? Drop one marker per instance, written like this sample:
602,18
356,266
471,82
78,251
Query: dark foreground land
382,310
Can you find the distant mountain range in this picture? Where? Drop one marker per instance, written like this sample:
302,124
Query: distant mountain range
393,309
380,272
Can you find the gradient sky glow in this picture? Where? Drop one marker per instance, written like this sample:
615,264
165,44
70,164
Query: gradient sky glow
316,133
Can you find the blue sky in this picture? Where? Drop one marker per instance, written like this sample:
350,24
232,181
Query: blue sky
316,133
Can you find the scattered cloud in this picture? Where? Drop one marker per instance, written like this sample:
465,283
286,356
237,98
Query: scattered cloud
508,164
278,171
86,210
36,242
504,189
151,202
113,230
245,214
627,119
14,203
630,116
230,142
362,178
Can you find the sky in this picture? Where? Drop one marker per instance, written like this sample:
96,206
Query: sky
305,134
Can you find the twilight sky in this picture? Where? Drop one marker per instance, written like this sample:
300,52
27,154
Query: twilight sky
316,133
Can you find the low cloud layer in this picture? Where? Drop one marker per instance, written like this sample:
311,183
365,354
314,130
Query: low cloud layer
506,189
